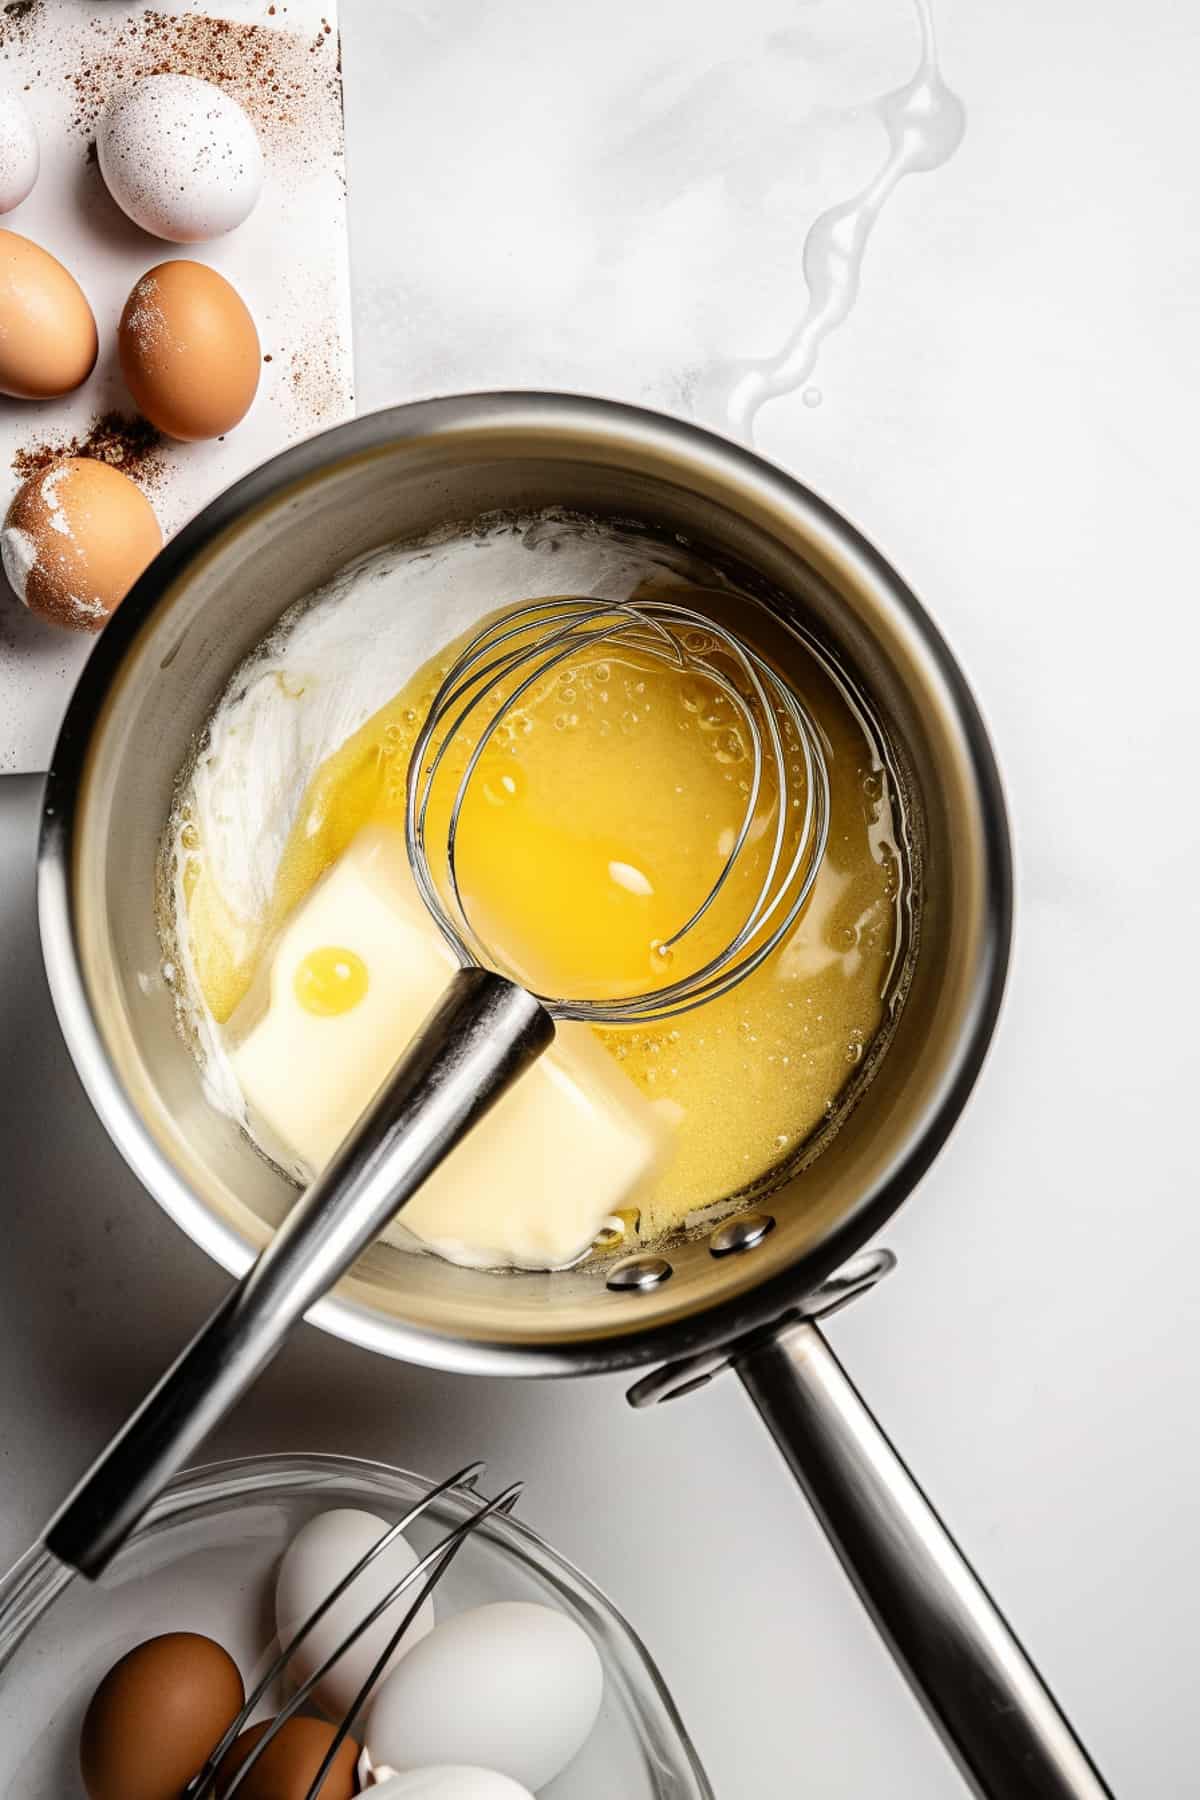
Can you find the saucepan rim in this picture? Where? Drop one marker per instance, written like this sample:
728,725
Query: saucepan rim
594,421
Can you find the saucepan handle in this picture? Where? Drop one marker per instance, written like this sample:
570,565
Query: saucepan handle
481,1036
995,1714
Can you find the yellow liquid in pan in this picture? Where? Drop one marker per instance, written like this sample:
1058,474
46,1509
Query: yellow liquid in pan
599,817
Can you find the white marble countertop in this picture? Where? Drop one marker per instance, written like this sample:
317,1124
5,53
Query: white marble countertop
614,199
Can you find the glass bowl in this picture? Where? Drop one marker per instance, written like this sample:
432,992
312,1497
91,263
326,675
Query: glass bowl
204,1559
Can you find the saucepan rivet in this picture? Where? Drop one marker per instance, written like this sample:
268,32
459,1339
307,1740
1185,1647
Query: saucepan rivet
641,1273
742,1233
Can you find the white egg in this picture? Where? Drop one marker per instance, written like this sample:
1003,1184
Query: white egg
20,157
180,156
447,1783
511,1687
317,1558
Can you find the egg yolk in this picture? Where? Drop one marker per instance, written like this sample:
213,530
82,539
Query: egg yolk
330,980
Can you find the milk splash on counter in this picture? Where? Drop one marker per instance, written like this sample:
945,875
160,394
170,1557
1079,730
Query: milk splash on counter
925,122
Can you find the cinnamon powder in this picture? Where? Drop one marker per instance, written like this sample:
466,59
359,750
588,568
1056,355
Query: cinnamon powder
129,444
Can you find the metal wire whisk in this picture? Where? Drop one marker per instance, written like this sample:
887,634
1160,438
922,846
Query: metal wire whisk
424,1576
487,1030
531,642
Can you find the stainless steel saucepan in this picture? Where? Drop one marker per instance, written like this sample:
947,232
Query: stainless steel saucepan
747,1295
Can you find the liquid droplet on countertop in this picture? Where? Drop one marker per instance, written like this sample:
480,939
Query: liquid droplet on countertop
924,121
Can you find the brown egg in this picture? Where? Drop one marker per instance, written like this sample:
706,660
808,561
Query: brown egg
189,350
48,337
157,1716
76,538
286,1767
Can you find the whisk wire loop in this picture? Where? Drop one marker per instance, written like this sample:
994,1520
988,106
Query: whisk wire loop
531,642
446,1553
428,1570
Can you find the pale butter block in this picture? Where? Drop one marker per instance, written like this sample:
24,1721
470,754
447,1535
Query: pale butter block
530,1187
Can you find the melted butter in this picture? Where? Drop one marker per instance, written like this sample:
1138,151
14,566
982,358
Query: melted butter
600,816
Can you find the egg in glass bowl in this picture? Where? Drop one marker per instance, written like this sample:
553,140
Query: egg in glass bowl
206,1560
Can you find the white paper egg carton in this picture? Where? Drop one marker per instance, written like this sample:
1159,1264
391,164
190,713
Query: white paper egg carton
289,261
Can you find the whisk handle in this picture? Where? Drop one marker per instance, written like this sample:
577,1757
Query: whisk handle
995,1714
482,1035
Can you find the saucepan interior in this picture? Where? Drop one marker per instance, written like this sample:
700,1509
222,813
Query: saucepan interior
213,595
